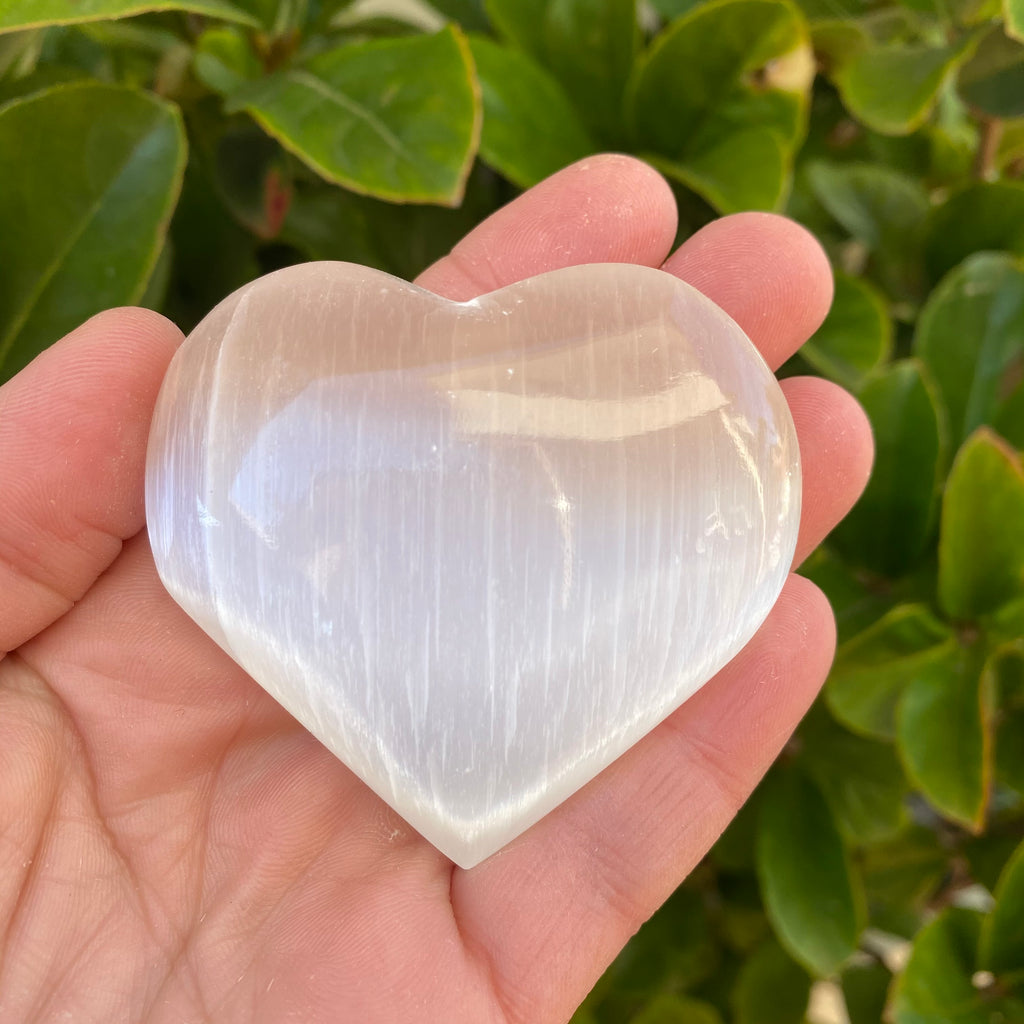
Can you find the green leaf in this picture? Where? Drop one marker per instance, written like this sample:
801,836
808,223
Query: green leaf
1005,669
856,336
530,128
944,727
890,528
588,45
988,215
993,79
810,891
469,14
879,206
902,876
1002,935
327,223
771,988
981,543
864,991
1013,18
935,987
671,1009
72,244
987,854
213,255
720,100
675,950
19,14
521,22
722,173
856,604
252,175
224,61
734,850
872,670
861,778
396,118
970,336
893,88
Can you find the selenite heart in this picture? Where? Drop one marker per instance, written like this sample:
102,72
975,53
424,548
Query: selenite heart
478,549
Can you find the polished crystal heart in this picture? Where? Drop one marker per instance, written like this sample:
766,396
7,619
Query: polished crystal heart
479,549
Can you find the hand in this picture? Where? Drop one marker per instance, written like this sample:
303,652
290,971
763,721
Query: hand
175,847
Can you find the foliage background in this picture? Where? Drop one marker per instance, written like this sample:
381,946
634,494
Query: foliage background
167,151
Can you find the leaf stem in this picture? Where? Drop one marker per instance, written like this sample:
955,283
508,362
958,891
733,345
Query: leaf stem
988,147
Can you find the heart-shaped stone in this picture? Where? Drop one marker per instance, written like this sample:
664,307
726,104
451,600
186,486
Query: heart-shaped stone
479,549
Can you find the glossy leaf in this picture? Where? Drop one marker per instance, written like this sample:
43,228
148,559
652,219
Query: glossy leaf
902,876
20,14
893,88
865,989
1002,936
861,778
671,1009
981,544
970,336
72,244
394,118
944,727
935,987
877,205
987,854
890,528
470,14
253,177
809,888
328,223
856,603
521,22
1005,669
676,949
721,174
720,99
856,336
224,61
881,207
771,988
1013,18
213,254
873,669
993,79
530,129
588,45
987,215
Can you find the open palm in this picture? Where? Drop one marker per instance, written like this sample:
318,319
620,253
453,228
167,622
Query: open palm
175,847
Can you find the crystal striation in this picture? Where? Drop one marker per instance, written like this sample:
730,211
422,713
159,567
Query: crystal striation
478,549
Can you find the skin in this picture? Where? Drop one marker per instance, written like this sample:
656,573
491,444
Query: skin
175,848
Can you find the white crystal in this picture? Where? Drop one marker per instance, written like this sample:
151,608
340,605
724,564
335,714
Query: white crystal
478,549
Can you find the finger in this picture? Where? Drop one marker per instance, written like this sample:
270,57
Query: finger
836,452
73,428
768,273
605,209
599,865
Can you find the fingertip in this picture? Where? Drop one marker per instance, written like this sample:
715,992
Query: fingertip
609,208
143,330
836,454
767,272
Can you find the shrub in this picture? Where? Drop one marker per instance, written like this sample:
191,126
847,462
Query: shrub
167,151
